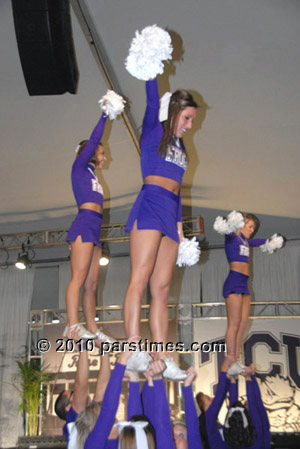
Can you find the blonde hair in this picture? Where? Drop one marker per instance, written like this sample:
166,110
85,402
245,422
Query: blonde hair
85,422
127,438
248,217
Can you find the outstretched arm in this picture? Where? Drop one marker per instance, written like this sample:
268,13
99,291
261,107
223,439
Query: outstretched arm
103,378
98,436
233,391
262,413
151,115
134,406
85,156
191,417
81,388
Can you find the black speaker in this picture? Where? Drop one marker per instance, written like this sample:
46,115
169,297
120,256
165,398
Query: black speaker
46,48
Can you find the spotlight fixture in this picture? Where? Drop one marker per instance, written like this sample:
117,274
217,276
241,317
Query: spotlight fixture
104,260
23,260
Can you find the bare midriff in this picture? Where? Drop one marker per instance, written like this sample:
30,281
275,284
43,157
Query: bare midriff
240,267
166,183
92,206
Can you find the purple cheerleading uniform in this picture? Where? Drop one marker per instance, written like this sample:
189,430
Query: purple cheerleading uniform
87,189
98,437
155,207
237,249
156,408
71,417
134,406
191,419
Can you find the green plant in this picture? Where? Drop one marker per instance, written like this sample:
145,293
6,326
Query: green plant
32,381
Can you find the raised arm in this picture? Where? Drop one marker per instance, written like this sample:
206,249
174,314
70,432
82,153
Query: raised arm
191,417
253,410
134,406
97,438
103,378
85,156
262,413
152,109
81,388
233,391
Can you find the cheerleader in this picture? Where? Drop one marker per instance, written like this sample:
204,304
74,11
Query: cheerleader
85,230
243,427
155,223
238,228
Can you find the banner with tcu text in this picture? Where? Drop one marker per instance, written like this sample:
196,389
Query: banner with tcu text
273,344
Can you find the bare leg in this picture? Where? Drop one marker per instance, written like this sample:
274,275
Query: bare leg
243,325
160,282
144,245
90,287
81,256
234,305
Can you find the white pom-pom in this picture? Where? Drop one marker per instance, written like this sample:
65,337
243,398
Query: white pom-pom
273,243
188,252
147,51
221,225
112,104
230,224
235,220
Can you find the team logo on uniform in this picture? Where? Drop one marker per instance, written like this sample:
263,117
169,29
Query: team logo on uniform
176,156
244,250
96,186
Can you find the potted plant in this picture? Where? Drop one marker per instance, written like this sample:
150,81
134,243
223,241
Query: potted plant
31,379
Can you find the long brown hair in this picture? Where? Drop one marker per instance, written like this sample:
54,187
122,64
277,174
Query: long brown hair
179,100
82,146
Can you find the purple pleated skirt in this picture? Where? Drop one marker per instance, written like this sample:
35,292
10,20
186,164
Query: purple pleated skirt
236,283
87,224
155,208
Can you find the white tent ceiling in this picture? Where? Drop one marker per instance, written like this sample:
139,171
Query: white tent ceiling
240,58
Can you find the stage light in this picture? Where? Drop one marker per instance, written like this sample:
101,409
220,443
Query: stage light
23,260
104,261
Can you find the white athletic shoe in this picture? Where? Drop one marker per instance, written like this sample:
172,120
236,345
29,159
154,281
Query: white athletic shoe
139,361
81,331
173,371
236,368
103,337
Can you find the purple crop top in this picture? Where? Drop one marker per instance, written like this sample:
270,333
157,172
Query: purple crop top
86,186
237,247
174,164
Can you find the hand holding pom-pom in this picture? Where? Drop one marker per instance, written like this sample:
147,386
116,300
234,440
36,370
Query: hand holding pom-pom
188,252
273,243
112,104
147,51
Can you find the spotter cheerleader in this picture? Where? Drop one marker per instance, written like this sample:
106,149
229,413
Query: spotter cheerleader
238,228
85,230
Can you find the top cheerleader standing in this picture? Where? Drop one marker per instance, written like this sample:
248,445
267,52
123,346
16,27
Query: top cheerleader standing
238,228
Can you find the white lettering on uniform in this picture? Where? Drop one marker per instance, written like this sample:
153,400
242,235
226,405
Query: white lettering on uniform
96,186
176,156
244,250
